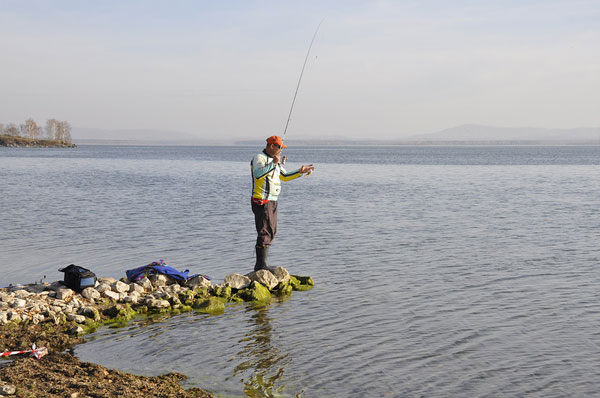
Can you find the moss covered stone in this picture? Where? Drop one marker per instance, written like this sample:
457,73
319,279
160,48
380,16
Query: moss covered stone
256,292
283,289
301,283
120,311
223,291
211,305
187,297
201,291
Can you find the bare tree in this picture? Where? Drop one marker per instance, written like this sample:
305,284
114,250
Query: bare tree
64,131
30,129
1,128
52,129
11,129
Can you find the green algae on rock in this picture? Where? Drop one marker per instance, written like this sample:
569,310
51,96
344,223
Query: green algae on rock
256,292
211,305
301,283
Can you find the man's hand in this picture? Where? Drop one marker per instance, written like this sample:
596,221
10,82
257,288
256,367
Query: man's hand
307,169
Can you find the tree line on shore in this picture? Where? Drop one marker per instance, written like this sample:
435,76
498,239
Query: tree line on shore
54,130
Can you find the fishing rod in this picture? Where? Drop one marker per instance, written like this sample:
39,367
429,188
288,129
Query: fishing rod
300,80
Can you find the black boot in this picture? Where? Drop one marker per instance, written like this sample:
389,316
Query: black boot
261,258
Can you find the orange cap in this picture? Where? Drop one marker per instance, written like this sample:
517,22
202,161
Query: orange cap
275,139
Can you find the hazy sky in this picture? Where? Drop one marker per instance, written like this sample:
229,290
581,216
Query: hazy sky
378,69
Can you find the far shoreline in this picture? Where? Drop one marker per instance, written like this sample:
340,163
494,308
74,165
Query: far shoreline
21,142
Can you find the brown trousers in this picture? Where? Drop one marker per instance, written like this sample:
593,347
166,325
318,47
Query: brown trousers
265,218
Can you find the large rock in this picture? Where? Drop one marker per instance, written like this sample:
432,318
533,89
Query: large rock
7,389
90,312
145,283
12,315
111,295
157,304
37,318
237,281
18,303
134,287
108,281
76,318
119,287
102,287
282,275
75,330
256,292
160,280
173,289
131,299
56,285
64,293
264,277
301,283
22,293
198,281
211,305
90,293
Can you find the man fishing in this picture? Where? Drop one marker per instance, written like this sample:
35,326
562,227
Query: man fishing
267,174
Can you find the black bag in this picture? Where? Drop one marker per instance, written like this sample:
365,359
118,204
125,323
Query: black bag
78,278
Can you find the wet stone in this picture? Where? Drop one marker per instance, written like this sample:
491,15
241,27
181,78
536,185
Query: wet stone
75,330
237,281
198,281
158,280
64,293
90,293
18,303
264,277
131,299
102,287
282,275
7,389
134,287
157,304
111,295
22,294
37,318
109,281
90,312
76,318
145,283
119,287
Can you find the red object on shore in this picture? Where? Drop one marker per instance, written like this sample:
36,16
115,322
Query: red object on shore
35,352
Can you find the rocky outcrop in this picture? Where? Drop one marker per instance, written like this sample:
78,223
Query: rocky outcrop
57,304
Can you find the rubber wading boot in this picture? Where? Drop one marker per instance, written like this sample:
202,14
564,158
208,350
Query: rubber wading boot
261,258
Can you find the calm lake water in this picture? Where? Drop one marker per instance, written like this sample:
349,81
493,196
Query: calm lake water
439,271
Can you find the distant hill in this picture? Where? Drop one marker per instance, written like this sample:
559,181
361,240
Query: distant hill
475,132
468,134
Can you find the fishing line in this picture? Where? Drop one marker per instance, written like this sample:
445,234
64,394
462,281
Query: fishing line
300,79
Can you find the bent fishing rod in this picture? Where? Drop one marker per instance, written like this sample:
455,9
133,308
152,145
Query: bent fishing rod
300,80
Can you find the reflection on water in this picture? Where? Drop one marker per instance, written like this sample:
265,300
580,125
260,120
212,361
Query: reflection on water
260,357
